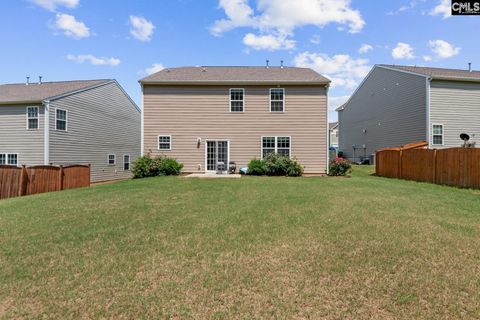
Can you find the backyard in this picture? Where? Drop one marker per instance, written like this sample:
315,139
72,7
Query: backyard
257,247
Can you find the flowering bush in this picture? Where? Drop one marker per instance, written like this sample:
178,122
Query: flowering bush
147,166
339,167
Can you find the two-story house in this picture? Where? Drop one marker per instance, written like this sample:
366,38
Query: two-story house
396,105
70,122
204,116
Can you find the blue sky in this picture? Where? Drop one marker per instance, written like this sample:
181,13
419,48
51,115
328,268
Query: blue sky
84,39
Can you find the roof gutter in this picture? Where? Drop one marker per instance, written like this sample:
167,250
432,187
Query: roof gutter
236,82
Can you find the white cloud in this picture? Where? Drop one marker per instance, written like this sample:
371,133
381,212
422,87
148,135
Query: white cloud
403,51
427,58
53,4
442,49
141,29
315,39
443,8
365,48
102,61
343,70
268,42
154,68
281,18
71,27
335,102
409,6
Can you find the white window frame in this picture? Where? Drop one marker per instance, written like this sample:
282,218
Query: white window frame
114,159
270,100
158,142
37,118
6,154
230,99
66,120
443,134
129,162
276,144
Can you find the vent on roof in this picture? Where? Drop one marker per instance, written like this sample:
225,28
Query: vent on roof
39,79
204,70
281,64
469,67
266,65
28,81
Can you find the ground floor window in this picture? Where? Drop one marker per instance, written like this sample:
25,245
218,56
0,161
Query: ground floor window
164,142
9,158
275,144
437,134
111,159
126,162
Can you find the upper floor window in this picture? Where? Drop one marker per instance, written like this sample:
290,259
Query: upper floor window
164,142
236,100
279,145
277,100
61,120
437,134
111,159
32,118
9,158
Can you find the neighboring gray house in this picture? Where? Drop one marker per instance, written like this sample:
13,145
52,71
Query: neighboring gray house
70,122
396,105
333,134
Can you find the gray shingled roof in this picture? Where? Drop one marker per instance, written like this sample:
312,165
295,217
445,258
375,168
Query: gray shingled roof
34,92
440,73
219,75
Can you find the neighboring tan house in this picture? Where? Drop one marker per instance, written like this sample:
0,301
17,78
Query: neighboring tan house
396,105
333,134
209,116
70,122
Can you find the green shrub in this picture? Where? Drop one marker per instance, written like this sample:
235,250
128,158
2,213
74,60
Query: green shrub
147,166
278,165
339,167
170,167
256,167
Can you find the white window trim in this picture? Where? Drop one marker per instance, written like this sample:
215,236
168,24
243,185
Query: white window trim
66,120
443,134
270,100
230,100
158,142
114,159
38,117
6,158
129,162
277,136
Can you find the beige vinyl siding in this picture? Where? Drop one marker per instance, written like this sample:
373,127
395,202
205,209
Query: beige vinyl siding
390,106
101,121
187,113
456,105
15,138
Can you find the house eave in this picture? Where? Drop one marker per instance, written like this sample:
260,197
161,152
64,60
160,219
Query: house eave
236,82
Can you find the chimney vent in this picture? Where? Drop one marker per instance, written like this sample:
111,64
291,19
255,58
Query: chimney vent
267,66
469,67
39,79
281,64
28,81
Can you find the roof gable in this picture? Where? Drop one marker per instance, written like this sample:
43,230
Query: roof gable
438,73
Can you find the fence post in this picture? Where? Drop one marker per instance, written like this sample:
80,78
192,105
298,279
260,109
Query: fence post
60,178
434,180
400,175
22,190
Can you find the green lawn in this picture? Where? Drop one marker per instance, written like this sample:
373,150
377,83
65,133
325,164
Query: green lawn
256,247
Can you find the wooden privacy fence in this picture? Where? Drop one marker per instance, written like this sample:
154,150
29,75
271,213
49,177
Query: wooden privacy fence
21,181
453,166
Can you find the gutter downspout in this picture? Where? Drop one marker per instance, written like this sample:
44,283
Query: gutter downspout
142,124
328,132
46,133
427,106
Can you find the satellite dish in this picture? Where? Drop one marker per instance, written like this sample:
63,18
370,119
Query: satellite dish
465,137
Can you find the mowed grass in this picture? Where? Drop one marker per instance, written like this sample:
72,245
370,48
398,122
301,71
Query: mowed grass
332,248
